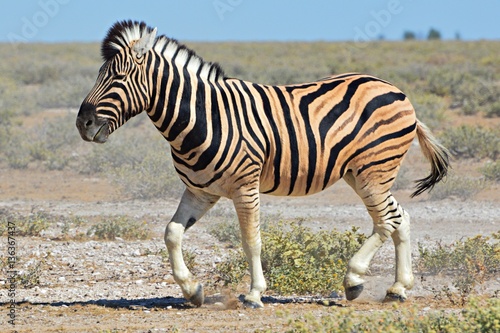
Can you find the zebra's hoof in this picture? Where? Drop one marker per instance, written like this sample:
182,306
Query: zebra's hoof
198,298
250,303
393,297
353,292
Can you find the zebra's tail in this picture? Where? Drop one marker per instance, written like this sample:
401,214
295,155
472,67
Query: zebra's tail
435,153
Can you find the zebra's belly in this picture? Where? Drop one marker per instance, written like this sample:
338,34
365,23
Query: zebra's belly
293,184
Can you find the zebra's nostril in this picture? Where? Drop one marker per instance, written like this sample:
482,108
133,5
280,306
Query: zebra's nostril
88,123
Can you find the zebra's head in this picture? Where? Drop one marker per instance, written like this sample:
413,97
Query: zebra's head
121,90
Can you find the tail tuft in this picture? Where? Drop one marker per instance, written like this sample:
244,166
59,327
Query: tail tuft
435,153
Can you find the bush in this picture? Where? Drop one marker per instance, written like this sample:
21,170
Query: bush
430,108
491,171
121,226
480,316
493,110
469,262
227,231
444,82
468,141
51,142
297,260
153,177
30,277
473,256
32,225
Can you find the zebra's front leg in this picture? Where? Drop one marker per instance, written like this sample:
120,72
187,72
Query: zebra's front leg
191,209
247,207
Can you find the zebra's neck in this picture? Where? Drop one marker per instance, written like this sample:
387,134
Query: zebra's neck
181,95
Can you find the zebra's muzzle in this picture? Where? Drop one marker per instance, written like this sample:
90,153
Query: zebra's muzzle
91,127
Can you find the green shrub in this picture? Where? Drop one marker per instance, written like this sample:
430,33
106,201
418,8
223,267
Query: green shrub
475,95
297,260
469,262
469,141
37,73
474,255
32,225
493,110
51,142
491,171
30,277
429,108
153,177
226,231
444,82
121,226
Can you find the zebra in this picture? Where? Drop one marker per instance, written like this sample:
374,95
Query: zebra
237,139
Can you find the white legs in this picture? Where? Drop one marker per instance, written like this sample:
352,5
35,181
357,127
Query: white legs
389,219
190,210
404,275
247,208
393,221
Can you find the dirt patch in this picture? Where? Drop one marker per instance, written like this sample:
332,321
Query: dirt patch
97,286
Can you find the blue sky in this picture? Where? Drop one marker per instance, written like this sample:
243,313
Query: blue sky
251,20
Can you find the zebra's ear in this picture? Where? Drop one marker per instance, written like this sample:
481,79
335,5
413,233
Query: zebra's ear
143,45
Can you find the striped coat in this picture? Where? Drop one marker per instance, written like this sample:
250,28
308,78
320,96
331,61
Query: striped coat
237,139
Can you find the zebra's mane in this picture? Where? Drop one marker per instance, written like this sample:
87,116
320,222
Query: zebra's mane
123,33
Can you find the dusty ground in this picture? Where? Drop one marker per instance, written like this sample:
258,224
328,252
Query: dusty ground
126,286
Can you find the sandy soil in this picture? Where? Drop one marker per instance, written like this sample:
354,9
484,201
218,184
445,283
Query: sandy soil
126,286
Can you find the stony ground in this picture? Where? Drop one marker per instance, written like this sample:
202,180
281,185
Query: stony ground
126,286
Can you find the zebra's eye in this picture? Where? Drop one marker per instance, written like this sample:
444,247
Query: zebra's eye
120,77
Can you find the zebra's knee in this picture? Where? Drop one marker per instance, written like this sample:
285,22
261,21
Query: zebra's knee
172,235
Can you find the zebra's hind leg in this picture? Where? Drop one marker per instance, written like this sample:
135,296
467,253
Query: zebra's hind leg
404,275
191,208
389,219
